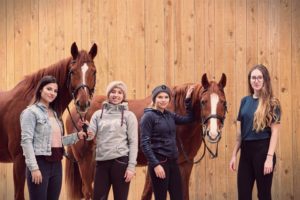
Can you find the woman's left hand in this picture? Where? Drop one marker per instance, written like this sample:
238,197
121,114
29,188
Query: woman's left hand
128,175
190,91
268,167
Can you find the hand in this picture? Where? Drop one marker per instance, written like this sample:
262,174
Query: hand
232,163
268,167
128,175
36,176
80,123
160,172
190,91
81,135
90,135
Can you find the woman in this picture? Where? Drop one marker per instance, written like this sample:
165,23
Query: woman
41,132
115,129
158,142
258,129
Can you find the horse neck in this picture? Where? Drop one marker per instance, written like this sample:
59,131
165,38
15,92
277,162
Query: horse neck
60,71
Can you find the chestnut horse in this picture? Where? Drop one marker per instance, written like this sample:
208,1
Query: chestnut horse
76,78
209,105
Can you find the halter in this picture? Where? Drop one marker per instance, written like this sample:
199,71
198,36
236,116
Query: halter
204,127
75,91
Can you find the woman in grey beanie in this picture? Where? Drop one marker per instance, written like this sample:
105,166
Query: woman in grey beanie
116,132
158,142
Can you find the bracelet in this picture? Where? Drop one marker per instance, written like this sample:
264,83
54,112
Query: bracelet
269,155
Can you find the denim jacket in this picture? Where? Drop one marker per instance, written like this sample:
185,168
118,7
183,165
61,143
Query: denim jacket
36,133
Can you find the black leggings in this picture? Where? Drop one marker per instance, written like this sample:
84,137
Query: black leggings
171,183
111,172
52,180
251,168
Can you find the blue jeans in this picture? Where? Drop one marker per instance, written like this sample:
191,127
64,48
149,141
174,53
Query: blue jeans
50,187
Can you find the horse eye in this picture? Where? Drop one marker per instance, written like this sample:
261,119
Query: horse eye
203,102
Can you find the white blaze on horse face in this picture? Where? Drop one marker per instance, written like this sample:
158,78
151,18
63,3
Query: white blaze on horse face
84,69
213,131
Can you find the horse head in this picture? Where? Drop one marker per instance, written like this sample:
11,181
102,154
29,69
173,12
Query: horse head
82,77
213,108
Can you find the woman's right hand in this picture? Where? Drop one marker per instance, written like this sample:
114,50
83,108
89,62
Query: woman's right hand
232,163
160,172
37,177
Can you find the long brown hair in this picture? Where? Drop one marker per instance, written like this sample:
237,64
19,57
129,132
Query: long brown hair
265,112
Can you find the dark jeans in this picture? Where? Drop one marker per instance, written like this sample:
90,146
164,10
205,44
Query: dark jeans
171,183
50,187
251,169
111,172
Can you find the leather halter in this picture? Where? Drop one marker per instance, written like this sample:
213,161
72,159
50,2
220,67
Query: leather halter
74,91
204,122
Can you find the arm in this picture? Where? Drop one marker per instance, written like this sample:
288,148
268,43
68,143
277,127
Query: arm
268,167
146,134
28,124
132,132
236,148
188,106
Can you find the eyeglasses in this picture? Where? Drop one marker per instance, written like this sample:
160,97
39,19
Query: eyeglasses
256,78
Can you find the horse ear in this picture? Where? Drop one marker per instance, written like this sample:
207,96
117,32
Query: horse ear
93,50
222,82
204,81
74,50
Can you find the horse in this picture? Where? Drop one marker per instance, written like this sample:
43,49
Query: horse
209,106
76,76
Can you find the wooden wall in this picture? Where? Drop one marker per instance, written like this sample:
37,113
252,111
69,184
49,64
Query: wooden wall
149,42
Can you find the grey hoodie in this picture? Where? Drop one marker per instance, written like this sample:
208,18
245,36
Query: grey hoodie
115,138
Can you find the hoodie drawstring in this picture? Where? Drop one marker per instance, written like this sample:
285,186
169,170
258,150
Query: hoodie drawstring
122,114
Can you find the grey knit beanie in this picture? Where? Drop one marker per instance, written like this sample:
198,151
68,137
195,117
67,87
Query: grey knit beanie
160,88
118,84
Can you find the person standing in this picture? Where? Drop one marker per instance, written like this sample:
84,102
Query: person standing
116,132
258,129
158,142
41,141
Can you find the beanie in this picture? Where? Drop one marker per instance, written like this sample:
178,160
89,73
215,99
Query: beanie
119,84
160,88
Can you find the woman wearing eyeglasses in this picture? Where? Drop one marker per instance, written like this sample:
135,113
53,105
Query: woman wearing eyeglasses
258,128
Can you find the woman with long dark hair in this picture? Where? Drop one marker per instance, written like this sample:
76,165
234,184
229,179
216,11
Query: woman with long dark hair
41,141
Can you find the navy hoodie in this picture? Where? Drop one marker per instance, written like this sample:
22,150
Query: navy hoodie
158,132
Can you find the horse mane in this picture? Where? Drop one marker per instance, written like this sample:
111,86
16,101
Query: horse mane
179,93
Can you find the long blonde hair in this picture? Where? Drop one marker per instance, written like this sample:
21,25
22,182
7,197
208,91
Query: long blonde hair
265,112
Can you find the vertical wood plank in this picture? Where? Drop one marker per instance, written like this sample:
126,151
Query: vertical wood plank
252,20
295,95
240,86
285,95
154,44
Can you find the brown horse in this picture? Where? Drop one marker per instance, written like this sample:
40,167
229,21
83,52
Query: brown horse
76,79
209,105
